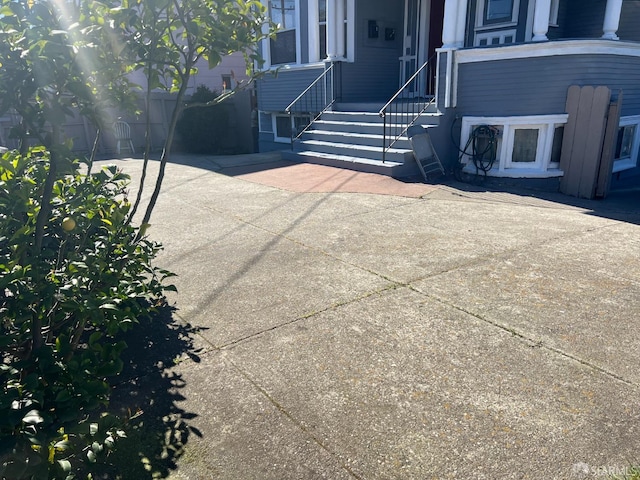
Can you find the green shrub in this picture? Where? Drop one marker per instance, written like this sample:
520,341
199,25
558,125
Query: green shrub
204,129
61,309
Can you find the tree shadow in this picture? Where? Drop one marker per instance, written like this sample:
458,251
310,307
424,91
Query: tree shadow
148,394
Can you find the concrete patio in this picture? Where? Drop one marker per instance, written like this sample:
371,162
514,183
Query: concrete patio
404,331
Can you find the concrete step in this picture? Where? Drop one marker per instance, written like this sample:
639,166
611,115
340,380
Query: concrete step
359,151
358,127
354,138
426,119
374,107
389,168
369,117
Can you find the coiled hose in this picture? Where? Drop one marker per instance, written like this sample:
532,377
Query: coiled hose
482,148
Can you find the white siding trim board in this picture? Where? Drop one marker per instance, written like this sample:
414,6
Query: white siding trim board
547,49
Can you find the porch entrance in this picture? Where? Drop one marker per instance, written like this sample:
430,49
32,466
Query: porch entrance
422,34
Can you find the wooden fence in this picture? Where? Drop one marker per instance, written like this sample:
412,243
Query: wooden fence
83,133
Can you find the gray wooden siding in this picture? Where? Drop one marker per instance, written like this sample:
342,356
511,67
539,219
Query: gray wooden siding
585,18
375,74
630,21
538,86
276,92
559,31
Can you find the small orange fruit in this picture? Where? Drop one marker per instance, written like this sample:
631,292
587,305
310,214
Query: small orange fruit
68,224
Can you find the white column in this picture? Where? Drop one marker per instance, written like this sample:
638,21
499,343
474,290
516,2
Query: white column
461,23
266,43
314,32
450,23
331,29
541,16
612,19
340,16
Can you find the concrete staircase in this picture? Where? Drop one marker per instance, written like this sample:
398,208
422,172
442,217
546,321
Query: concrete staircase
351,135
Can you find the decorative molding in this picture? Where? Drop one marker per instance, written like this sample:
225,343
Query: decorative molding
548,49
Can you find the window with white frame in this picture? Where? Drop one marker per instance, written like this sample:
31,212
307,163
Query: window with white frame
265,124
627,144
283,46
494,12
524,146
284,125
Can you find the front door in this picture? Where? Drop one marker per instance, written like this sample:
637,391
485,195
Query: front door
415,41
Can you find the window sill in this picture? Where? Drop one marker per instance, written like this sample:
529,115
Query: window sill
495,26
518,172
621,165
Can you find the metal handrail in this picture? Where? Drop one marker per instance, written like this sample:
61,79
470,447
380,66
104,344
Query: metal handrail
406,99
314,101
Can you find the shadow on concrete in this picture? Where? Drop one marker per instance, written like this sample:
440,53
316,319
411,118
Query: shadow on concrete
622,203
149,394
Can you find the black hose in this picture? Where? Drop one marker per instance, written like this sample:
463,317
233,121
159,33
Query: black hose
482,147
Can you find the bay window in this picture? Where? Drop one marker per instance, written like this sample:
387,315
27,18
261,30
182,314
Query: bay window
494,12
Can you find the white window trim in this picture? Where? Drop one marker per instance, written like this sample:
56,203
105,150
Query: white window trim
266,43
541,149
626,164
553,15
276,138
501,34
314,39
261,128
292,120
314,29
503,166
480,25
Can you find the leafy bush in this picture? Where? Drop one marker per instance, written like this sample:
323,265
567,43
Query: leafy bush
204,129
61,310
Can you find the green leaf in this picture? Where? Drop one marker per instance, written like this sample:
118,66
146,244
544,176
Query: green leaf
33,417
65,465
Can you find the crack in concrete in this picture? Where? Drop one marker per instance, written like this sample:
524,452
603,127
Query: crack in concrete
318,441
334,306
530,341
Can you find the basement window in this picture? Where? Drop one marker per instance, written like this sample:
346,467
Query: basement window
284,124
525,147
627,144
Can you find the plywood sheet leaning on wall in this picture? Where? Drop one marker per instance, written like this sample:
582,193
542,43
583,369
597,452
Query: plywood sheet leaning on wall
583,139
609,148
